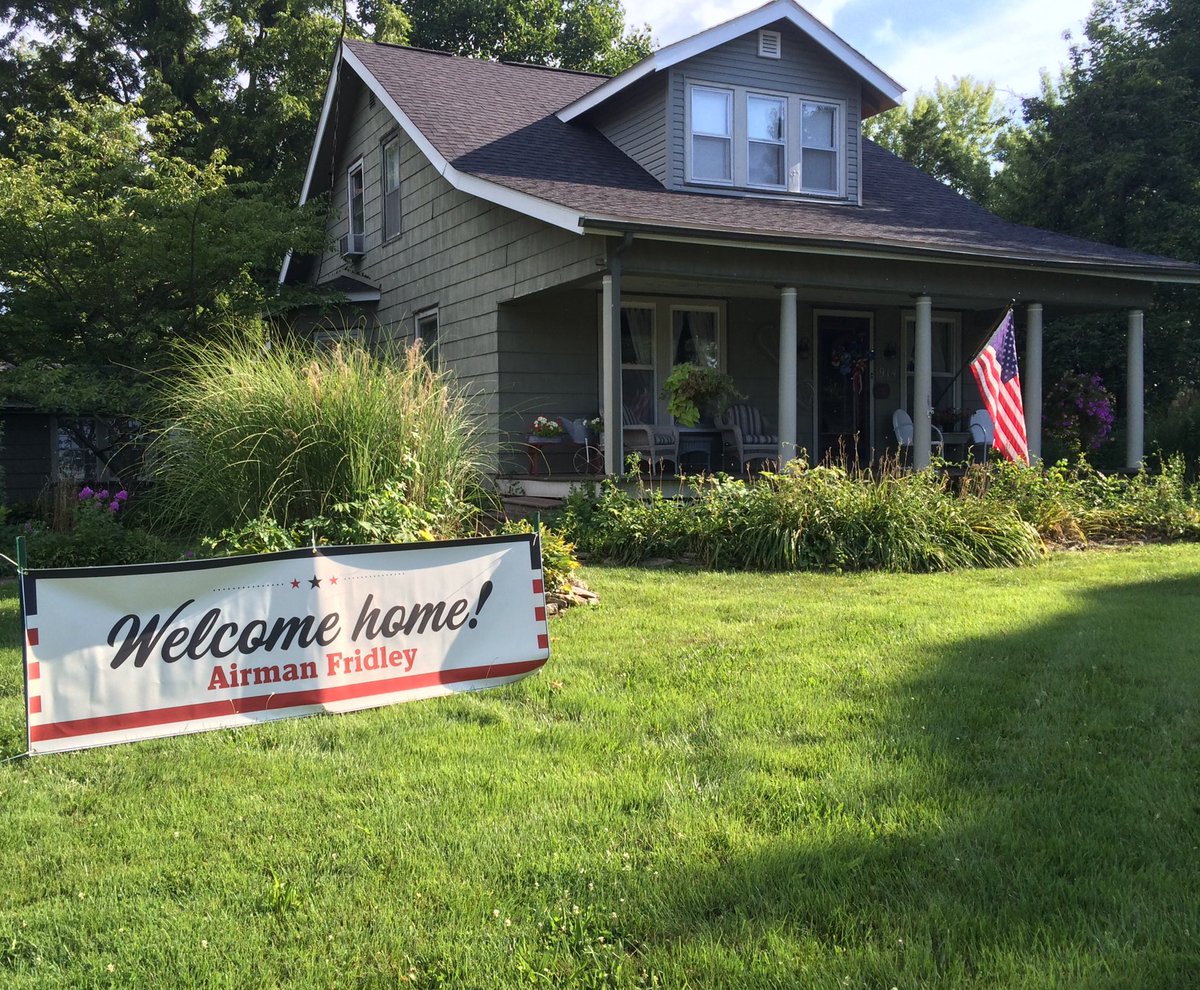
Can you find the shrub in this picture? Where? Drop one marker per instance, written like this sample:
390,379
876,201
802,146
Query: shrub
290,438
1080,412
827,518
90,532
1176,430
558,554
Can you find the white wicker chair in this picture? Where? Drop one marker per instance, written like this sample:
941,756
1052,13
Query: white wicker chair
744,429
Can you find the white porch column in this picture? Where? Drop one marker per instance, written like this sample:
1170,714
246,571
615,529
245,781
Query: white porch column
610,360
922,383
787,374
1135,395
1032,380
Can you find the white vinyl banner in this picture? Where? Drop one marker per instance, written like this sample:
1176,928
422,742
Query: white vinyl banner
114,654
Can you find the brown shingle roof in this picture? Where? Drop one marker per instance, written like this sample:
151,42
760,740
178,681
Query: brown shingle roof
497,121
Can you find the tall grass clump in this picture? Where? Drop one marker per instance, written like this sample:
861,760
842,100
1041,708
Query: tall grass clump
267,439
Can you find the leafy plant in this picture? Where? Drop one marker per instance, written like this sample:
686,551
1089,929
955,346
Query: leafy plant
558,553
1080,412
690,386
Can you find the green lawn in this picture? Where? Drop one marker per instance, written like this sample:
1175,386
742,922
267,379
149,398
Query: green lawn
984,779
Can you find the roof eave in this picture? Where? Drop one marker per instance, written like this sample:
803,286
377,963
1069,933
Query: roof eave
887,250
890,90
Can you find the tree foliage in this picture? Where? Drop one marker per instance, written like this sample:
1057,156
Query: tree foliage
571,34
1112,152
113,247
952,133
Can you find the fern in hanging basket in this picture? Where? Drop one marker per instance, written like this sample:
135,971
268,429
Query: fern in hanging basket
690,386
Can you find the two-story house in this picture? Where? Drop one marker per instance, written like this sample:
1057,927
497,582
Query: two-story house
564,239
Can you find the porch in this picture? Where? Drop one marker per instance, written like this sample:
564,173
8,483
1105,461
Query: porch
826,346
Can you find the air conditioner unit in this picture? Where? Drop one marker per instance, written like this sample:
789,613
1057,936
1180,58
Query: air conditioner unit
352,245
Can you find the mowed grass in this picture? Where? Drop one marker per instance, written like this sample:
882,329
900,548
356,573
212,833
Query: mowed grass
983,779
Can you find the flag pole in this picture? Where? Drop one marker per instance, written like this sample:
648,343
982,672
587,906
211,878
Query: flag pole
965,366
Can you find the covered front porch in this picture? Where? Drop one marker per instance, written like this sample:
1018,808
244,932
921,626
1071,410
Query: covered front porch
827,345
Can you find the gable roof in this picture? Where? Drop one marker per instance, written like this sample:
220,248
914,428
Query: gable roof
885,89
492,130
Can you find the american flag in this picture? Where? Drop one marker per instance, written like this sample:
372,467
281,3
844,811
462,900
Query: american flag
995,370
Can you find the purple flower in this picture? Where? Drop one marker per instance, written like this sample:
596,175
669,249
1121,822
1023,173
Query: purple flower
113,506
102,495
121,495
85,493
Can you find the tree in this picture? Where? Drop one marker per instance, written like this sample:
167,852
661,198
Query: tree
571,34
113,248
953,134
1112,152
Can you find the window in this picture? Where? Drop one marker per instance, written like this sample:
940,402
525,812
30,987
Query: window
946,378
712,134
657,335
427,334
819,142
639,392
764,140
355,207
391,189
766,129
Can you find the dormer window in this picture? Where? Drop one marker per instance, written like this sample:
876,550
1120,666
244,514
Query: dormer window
712,134
774,142
819,138
766,136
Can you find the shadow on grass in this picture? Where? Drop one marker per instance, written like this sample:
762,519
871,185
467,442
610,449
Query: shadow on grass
1034,819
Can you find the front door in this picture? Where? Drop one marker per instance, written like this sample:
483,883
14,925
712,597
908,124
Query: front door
843,385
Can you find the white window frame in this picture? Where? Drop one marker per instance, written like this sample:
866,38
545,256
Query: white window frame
732,116
432,351
838,149
391,144
793,140
664,321
908,328
763,95
362,231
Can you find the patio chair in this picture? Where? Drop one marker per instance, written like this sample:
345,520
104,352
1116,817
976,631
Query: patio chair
982,433
745,430
656,444
902,424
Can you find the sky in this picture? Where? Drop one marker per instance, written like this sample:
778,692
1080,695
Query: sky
915,41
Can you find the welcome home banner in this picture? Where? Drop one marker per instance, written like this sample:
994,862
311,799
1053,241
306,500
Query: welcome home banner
114,654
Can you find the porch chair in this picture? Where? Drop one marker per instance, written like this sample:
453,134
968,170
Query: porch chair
657,444
745,430
982,433
902,425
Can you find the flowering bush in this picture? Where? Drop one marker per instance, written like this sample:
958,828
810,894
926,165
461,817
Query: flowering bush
1080,411
91,534
546,428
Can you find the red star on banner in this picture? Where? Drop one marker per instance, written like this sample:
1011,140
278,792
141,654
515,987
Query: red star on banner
333,580
295,583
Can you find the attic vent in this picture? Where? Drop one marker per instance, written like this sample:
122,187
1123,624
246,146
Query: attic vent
371,99
770,44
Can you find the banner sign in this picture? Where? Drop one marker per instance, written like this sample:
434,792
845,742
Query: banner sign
114,654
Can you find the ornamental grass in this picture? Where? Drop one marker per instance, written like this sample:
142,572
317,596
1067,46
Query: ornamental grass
282,432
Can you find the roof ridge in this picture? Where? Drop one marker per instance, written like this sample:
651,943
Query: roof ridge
481,61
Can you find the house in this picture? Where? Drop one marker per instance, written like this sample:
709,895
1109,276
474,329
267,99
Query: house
562,239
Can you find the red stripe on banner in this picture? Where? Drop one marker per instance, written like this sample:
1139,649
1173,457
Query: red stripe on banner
537,586
543,641
279,701
32,636
34,670
35,705
539,613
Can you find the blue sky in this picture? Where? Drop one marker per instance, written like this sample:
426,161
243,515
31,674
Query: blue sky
915,41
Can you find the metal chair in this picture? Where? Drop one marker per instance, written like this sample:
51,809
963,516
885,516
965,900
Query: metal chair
983,432
902,425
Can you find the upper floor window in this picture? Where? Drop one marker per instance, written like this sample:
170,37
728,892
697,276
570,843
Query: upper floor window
391,189
712,134
771,141
356,209
819,140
